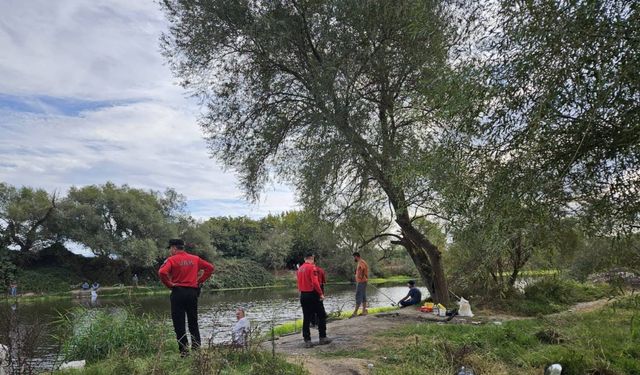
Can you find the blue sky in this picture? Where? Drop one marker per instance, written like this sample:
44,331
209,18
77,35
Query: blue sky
85,98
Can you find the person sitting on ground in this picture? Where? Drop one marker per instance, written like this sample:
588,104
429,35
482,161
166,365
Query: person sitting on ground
240,331
413,297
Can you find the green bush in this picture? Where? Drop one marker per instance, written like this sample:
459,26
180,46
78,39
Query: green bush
239,273
556,290
97,334
46,280
551,295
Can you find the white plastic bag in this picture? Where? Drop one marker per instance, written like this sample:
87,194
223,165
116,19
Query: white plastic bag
465,308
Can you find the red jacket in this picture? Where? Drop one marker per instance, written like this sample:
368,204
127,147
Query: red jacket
322,278
308,279
182,269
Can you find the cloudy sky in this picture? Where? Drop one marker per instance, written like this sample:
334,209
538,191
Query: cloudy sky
85,98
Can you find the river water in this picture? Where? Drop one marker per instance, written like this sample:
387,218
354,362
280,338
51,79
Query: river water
264,307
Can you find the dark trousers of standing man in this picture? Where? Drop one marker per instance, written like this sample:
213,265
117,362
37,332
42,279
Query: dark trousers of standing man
311,305
184,301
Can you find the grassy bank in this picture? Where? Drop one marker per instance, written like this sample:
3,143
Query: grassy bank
296,326
223,361
126,343
605,341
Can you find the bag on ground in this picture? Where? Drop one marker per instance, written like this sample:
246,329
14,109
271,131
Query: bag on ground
465,308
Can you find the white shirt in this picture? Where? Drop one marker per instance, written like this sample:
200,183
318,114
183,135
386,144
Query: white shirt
240,331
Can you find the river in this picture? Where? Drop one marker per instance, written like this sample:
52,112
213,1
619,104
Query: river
264,307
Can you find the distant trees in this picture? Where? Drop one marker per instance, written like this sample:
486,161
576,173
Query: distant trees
26,215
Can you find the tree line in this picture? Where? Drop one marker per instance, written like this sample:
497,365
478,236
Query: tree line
133,225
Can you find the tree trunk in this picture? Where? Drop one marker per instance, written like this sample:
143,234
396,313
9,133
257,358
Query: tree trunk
427,258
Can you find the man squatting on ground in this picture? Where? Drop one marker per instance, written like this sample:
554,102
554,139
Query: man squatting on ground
413,297
362,276
311,297
184,274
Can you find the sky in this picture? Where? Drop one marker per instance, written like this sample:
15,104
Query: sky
86,98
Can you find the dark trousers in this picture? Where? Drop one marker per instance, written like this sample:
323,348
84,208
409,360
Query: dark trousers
311,305
184,301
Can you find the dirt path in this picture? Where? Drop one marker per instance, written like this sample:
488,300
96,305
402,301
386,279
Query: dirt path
357,333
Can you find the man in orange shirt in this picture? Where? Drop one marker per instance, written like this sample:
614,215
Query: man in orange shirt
311,297
184,274
362,276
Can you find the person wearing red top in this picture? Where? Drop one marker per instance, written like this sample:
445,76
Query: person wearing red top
322,279
311,297
184,274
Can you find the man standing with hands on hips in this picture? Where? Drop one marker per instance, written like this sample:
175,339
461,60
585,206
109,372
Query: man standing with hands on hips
311,297
184,274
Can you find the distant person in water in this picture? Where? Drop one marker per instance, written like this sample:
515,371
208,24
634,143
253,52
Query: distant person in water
85,286
134,279
413,297
13,289
94,291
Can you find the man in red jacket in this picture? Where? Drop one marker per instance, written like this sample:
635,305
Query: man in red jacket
181,273
311,297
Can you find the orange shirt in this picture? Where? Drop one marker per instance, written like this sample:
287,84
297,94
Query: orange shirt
362,272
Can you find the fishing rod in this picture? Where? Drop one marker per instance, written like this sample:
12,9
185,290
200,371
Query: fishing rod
393,303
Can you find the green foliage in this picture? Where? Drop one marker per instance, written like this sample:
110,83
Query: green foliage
238,273
120,221
25,217
7,269
46,280
98,334
564,105
216,360
551,294
513,347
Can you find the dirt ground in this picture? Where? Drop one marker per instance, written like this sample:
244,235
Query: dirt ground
357,333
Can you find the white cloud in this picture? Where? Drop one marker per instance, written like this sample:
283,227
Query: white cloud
144,131
89,49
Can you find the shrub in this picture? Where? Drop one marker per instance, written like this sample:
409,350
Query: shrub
45,279
237,273
95,334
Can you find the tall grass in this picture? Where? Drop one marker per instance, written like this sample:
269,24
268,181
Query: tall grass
599,342
550,295
97,334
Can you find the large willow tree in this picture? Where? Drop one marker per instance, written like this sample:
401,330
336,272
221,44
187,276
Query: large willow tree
322,94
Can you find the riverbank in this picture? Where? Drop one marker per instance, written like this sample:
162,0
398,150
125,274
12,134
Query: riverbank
407,341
